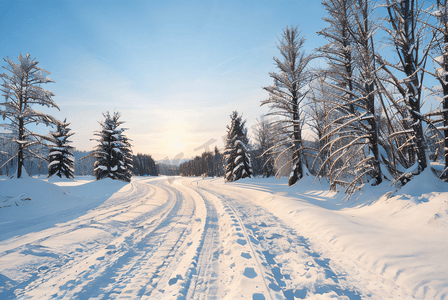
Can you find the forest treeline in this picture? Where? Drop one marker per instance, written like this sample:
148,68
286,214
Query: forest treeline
143,164
381,61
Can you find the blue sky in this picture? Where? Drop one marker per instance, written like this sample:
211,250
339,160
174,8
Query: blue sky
174,69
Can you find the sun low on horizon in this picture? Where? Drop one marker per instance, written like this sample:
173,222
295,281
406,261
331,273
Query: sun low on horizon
175,70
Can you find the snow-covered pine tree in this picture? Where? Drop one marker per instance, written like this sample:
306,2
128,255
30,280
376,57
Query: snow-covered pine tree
22,89
287,94
61,158
236,158
113,153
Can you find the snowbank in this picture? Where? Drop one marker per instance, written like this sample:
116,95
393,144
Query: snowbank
28,204
381,234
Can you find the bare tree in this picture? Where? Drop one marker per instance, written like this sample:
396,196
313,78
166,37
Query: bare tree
440,48
264,138
409,37
348,89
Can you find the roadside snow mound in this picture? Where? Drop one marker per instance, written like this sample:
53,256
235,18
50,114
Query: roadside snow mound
25,190
380,232
97,189
57,179
30,205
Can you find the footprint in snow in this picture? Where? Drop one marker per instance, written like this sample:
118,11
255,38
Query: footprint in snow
175,279
42,269
241,242
274,236
250,273
258,296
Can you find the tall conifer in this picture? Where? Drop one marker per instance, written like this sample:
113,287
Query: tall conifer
237,162
61,156
113,153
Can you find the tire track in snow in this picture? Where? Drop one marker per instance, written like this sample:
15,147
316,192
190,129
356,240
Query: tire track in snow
267,235
254,270
85,221
204,275
139,265
47,262
65,281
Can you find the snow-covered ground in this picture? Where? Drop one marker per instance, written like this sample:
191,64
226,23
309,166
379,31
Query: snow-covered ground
191,238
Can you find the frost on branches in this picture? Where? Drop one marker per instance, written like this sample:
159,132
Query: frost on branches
61,156
113,153
409,36
346,93
236,155
22,89
440,49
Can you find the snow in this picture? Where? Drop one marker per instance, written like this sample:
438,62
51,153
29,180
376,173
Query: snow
104,168
54,162
53,153
193,238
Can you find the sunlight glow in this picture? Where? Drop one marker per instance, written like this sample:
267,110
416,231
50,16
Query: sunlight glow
178,145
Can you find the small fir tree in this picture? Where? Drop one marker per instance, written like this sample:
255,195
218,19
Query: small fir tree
61,156
113,153
237,162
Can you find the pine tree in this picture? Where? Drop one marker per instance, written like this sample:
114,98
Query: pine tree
287,94
237,162
22,89
61,156
113,153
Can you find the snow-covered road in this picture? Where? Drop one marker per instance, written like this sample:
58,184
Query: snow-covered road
188,238
165,239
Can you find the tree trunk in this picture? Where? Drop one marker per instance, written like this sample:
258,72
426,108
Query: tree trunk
297,170
414,95
445,106
374,133
20,151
